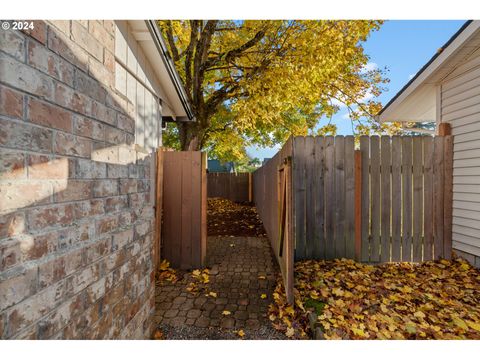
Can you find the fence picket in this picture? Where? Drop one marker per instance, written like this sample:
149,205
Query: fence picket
299,195
365,149
396,198
375,198
329,196
309,195
349,197
385,195
407,199
438,188
339,226
428,199
417,198
319,226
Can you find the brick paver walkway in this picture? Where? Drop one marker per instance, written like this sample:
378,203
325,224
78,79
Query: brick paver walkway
241,270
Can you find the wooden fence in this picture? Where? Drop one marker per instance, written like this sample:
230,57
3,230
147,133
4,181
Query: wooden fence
389,201
235,187
184,215
273,198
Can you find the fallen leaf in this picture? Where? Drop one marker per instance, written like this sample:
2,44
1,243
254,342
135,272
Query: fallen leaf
241,333
263,296
290,332
212,294
226,312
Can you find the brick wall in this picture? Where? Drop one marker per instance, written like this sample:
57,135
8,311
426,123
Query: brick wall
76,220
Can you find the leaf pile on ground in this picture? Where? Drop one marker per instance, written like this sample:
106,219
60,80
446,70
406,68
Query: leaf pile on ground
228,218
432,300
165,273
199,280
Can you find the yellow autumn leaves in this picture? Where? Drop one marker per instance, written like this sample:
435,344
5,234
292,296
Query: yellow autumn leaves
433,300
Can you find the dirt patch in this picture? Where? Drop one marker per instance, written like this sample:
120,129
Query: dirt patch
227,218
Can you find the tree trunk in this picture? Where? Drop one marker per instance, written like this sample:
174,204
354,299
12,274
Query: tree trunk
191,136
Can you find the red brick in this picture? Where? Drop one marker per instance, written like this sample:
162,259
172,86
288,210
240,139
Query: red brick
106,224
11,102
116,203
85,40
109,60
98,250
126,123
13,44
128,186
103,113
10,254
47,61
67,144
101,34
84,278
90,86
105,187
33,308
89,208
25,136
50,216
36,246
89,128
114,136
72,190
46,167
69,50
59,268
73,100
12,165
39,31
48,115
25,78
17,288
12,224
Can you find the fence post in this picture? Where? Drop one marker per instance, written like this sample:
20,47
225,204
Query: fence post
446,131
358,204
250,187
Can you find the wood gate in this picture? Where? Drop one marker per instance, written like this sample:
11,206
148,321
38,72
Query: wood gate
183,219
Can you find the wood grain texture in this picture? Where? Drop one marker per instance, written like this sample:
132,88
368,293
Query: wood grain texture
339,226
319,222
448,196
385,169
349,201
438,194
330,196
417,232
407,199
375,198
365,150
428,199
309,196
396,198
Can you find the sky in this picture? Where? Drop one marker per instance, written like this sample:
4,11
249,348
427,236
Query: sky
400,46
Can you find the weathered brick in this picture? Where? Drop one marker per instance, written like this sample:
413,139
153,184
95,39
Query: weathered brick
85,277
61,316
12,165
114,135
33,308
81,37
62,25
38,32
13,43
89,128
128,186
143,185
12,224
105,187
95,291
126,123
67,144
103,113
34,247
60,267
67,49
46,167
106,224
121,239
90,86
49,216
141,229
71,99
97,70
25,136
15,289
109,60
10,255
99,249
117,203
11,103
48,62
89,208
115,171
72,190
25,78
48,115
125,218
18,195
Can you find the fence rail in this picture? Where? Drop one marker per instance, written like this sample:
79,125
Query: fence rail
235,187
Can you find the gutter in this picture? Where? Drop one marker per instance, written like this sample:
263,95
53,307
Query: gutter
464,26
170,66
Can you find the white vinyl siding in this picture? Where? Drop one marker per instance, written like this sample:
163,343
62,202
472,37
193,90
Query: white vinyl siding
135,79
460,106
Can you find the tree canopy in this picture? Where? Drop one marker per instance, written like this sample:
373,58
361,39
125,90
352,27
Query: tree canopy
257,82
